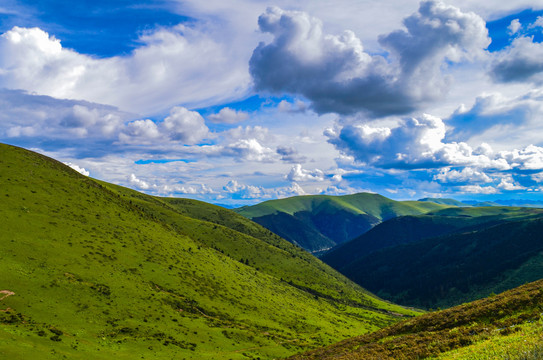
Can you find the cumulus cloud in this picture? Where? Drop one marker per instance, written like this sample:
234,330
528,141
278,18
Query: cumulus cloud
528,159
248,132
297,173
508,184
243,191
290,154
538,22
247,149
172,66
418,143
337,75
514,26
478,189
138,183
181,126
521,61
228,116
28,115
464,176
298,106
495,110
80,170
415,143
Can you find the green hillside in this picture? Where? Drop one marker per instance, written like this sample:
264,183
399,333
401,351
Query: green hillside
96,271
452,269
319,222
505,326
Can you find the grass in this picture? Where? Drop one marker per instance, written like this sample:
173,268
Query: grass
100,271
506,326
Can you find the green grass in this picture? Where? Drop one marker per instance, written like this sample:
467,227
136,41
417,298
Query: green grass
504,326
100,271
521,342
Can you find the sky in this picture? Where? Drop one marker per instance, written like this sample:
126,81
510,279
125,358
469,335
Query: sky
243,101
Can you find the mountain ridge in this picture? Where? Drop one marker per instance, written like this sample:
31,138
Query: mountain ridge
319,222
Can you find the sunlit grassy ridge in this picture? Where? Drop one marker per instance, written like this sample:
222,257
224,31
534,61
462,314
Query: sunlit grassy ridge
99,271
319,222
504,326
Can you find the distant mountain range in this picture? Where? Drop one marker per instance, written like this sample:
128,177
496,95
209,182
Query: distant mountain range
510,202
320,222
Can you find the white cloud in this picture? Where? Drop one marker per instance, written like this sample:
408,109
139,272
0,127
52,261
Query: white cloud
138,183
181,126
337,75
228,116
514,26
297,173
463,176
521,61
248,132
415,143
478,189
298,106
509,185
529,158
418,143
177,65
538,23
27,115
248,149
290,154
80,170
244,191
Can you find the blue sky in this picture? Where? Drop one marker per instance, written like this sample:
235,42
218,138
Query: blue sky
243,101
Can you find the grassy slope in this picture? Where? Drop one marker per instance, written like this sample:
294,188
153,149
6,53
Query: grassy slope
318,222
99,271
502,326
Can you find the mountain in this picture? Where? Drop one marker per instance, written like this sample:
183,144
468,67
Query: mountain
471,253
444,201
92,270
504,326
319,222
408,229
510,202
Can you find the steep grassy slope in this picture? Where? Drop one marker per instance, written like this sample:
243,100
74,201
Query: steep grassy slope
93,270
318,222
408,229
505,326
448,270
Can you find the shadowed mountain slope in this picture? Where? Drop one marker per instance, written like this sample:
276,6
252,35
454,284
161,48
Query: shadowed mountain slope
485,250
